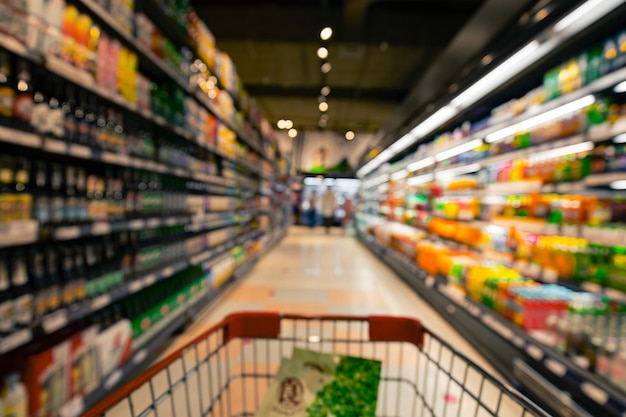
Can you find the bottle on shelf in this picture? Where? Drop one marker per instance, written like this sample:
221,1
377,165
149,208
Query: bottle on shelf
7,90
22,291
6,298
52,278
37,272
24,95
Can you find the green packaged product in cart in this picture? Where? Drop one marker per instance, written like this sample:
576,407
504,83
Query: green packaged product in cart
315,384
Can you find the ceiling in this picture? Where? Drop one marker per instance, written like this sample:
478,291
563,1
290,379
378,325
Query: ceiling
390,59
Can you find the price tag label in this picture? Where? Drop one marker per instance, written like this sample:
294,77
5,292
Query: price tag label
65,233
101,229
136,224
113,379
154,223
54,321
101,302
498,327
149,280
55,146
80,151
135,286
535,352
15,339
140,356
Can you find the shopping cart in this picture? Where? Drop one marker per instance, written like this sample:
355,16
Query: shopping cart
227,370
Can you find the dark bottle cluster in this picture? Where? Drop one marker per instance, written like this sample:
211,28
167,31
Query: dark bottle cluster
40,279
64,194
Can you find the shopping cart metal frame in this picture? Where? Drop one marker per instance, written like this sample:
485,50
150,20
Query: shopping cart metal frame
204,365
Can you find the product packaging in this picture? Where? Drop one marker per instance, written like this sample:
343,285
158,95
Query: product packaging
114,346
321,384
46,376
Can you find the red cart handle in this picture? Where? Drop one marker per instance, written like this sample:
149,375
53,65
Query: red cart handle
267,325
250,325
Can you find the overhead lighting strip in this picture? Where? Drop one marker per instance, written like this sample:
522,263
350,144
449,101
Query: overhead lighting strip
579,19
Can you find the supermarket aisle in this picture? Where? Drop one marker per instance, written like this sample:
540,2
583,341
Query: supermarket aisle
313,273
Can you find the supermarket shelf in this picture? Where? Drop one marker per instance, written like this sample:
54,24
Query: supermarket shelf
104,228
33,141
162,66
169,27
504,343
61,318
607,81
22,232
87,82
159,335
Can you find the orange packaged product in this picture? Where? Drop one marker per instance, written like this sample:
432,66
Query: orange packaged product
428,256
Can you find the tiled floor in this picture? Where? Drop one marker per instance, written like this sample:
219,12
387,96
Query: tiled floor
311,273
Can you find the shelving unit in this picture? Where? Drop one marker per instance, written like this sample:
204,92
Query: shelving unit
244,211
497,209
506,345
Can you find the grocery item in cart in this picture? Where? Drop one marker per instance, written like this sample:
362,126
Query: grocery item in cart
321,384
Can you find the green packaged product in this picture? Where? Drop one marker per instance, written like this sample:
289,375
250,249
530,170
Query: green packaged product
315,384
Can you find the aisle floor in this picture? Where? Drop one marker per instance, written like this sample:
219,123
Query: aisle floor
311,273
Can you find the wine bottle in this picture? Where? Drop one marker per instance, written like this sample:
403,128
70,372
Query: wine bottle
68,107
37,273
6,298
22,291
7,90
56,123
23,103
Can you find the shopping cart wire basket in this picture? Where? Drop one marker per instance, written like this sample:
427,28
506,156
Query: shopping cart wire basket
227,370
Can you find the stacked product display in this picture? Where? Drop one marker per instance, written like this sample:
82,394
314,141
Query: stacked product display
137,179
520,218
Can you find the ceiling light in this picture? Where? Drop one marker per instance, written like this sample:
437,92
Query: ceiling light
435,120
326,67
281,124
396,176
322,52
541,14
421,179
558,152
325,90
323,106
498,76
541,119
620,88
326,33
620,138
585,15
486,60
519,61
349,135
618,185
288,124
423,163
324,117
458,150
454,172
292,133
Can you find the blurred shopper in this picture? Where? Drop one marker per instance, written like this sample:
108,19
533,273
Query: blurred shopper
312,211
328,209
347,218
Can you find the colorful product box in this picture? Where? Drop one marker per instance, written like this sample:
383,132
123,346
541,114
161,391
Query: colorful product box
46,376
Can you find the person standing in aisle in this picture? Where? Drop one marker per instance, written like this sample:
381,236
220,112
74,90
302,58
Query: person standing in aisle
328,209
347,219
312,212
